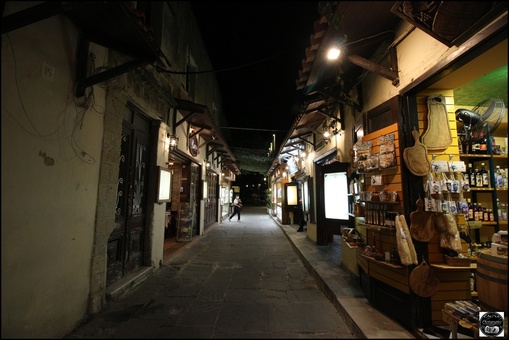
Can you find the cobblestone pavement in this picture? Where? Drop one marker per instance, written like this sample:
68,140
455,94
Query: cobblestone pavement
239,280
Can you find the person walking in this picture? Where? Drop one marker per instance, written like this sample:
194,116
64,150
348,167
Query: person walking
237,204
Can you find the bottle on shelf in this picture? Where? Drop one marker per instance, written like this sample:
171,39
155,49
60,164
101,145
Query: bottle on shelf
475,144
467,144
478,178
485,176
466,174
470,215
499,178
502,213
471,175
483,144
476,212
491,215
461,143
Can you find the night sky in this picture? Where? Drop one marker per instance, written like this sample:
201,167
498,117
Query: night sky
257,48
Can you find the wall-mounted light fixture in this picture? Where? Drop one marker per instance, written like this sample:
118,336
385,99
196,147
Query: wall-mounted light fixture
207,165
173,142
326,131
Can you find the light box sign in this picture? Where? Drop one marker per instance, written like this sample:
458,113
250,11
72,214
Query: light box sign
292,195
164,192
336,195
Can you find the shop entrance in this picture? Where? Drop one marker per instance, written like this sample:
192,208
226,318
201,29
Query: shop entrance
211,199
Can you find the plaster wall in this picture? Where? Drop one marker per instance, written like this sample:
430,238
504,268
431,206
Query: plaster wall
51,151
60,172
417,53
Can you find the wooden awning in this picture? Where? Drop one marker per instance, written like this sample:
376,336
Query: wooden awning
201,119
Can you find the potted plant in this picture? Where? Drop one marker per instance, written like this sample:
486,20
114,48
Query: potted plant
268,200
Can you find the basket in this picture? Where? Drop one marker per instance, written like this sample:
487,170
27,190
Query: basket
457,261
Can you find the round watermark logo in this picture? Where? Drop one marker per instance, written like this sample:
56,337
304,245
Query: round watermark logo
491,324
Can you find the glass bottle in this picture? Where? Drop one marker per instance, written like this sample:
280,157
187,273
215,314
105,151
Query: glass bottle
503,212
475,144
476,212
461,144
466,174
470,210
499,178
471,175
478,178
491,215
483,144
485,176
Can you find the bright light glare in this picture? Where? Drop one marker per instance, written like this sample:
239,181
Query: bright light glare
333,53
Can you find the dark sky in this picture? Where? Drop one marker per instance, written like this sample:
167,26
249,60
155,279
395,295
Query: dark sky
257,47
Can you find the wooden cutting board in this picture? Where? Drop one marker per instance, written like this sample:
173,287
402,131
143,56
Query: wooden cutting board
438,133
416,157
421,223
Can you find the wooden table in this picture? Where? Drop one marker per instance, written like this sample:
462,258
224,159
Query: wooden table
453,321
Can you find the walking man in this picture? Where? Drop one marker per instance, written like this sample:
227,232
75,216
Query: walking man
237,204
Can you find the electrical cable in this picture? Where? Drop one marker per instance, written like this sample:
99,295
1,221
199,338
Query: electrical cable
159,68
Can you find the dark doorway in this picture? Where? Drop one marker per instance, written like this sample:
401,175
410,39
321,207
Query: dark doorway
125,244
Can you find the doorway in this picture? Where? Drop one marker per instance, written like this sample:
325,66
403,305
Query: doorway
126,242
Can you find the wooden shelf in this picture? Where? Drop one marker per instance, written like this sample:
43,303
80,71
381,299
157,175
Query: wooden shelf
388,264
448,267
349,245
471,155
378,227
382,202
481,189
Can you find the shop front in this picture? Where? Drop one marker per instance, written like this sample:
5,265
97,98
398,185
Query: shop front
405,132
421,132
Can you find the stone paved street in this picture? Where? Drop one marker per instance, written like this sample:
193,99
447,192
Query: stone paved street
240,280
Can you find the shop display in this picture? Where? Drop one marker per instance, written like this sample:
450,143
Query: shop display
365,160
387,154
438,133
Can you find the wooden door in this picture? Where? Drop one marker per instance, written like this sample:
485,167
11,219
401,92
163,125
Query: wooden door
212,196
125,244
